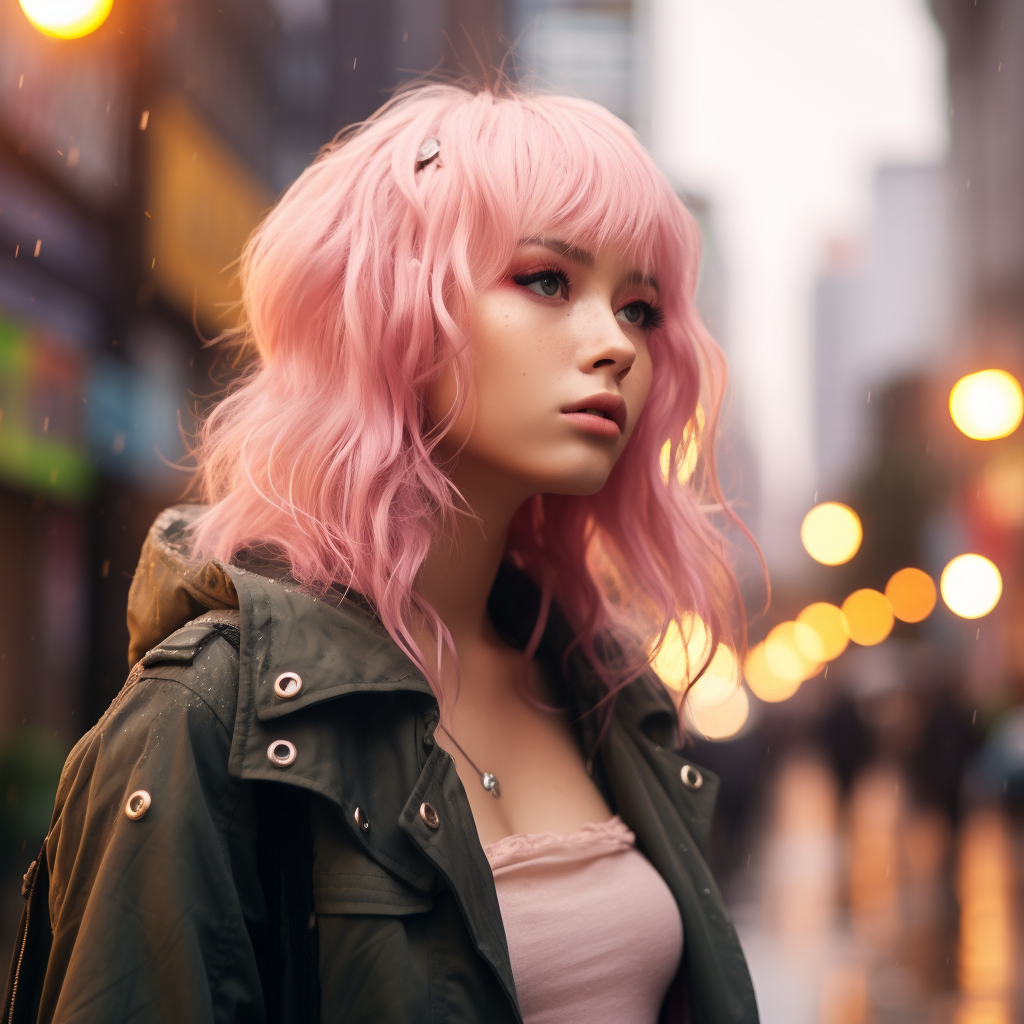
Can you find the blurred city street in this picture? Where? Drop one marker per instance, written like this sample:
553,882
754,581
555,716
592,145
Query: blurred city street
857,173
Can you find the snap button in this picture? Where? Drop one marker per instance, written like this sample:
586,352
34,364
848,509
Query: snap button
281,753
287,685
361,820
429,816
138,803
692,779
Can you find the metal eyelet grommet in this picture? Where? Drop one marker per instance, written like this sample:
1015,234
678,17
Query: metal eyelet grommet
138,803
429,816
692,779
361,820
281,753
287,685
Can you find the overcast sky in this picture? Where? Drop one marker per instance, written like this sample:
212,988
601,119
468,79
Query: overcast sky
778,113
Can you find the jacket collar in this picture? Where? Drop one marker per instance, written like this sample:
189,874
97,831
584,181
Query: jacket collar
341,650
335,650
338,649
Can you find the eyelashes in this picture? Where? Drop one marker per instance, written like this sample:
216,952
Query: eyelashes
552,281
543,277
654,316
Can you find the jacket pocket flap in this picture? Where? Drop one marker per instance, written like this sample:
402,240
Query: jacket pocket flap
366,893
347,880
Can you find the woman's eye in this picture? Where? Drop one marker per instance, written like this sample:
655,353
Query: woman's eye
548,285
634,313
642,314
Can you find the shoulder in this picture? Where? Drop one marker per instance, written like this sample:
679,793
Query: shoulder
177,704
201,658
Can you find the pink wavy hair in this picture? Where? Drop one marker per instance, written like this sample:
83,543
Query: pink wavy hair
357,287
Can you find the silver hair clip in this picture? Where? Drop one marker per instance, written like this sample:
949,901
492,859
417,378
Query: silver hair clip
429,148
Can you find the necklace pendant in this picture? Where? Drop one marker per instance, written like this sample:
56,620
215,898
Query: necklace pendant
490,783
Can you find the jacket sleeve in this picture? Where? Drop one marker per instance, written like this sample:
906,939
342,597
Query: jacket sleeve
154,918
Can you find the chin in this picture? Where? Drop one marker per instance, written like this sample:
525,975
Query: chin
580,484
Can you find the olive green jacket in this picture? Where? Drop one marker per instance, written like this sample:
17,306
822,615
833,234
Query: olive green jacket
169,916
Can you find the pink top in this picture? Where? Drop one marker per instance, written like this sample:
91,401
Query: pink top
593,931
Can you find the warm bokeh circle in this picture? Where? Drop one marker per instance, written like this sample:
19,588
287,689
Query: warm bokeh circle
912,595
66,19
831,532
869,616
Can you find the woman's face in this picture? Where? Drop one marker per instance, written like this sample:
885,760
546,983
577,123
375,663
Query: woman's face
561,370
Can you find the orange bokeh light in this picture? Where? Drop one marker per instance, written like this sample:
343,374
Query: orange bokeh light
830,624
912,594
869,615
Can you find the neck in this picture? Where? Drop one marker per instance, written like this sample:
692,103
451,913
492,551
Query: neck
459,571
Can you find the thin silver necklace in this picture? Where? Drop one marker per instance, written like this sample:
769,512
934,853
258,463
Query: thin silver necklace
488,780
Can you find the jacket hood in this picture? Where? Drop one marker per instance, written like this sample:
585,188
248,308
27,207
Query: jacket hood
170,586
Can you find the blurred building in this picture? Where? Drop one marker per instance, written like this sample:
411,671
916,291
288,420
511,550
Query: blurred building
985,44
882,310
583,47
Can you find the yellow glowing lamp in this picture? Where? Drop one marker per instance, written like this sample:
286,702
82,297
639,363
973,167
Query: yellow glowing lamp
831,629
971,586
831,533
912,595
66,19
723,721
987,404
869,616
763,681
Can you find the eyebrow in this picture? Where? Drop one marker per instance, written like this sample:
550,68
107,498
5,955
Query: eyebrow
585,258
566,249
635,277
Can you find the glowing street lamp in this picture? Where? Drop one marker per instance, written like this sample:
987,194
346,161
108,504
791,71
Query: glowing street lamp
987,404
971,586
831,533
66,19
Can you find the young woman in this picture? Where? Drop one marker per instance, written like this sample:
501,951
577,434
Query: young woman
390,749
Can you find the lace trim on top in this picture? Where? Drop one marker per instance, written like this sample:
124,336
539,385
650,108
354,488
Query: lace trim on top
594,839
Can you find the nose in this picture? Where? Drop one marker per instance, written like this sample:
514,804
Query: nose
606,346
